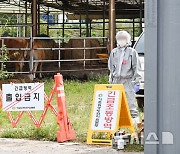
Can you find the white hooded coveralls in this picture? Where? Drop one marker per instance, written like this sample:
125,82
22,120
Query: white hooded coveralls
124,69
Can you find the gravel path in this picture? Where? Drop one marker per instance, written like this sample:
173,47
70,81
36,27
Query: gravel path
23,146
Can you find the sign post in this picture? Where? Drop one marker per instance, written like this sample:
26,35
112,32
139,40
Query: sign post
109,113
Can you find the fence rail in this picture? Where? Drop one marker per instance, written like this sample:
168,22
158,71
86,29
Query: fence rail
59,49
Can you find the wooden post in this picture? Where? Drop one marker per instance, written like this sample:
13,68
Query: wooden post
34,17
112,25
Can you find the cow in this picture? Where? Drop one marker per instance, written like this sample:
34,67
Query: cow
47,42
39,52
79,53
15,55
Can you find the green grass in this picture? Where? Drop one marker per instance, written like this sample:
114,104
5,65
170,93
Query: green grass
79,95
134,148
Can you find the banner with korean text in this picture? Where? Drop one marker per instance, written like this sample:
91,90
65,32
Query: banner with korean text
23,97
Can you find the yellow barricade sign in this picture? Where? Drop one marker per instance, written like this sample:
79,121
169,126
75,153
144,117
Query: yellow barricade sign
109,113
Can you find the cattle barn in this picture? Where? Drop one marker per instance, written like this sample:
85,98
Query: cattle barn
73,37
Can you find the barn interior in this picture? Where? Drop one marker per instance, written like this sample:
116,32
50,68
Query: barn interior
91,24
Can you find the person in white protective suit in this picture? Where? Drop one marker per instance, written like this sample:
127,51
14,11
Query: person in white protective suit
124,69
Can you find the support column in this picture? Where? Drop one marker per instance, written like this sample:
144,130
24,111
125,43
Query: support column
87,19
48,13
111,24
104,21
39,17
63,26
26,16
140,17
133,30
90,27
34,17
80,26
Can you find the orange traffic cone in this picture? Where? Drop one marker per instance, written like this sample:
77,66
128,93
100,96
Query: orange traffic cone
66,131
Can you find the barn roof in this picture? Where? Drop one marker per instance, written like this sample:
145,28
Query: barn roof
94,8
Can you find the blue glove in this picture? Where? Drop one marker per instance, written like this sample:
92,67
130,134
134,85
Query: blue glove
136,88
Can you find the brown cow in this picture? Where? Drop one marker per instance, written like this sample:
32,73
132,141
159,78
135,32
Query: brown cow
16,55
42,53
47,42
38,54
79,53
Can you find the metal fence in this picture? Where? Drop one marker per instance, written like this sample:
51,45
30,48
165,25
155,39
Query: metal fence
58,48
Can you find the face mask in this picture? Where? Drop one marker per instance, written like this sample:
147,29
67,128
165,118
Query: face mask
121,43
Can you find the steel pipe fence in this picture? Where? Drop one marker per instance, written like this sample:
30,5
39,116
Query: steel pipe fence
59,48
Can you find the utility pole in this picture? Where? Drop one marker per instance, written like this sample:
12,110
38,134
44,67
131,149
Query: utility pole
162,77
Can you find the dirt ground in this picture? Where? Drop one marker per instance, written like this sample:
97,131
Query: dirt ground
22,146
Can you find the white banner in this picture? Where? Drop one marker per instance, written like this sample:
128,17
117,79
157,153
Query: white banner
105,110
23,97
